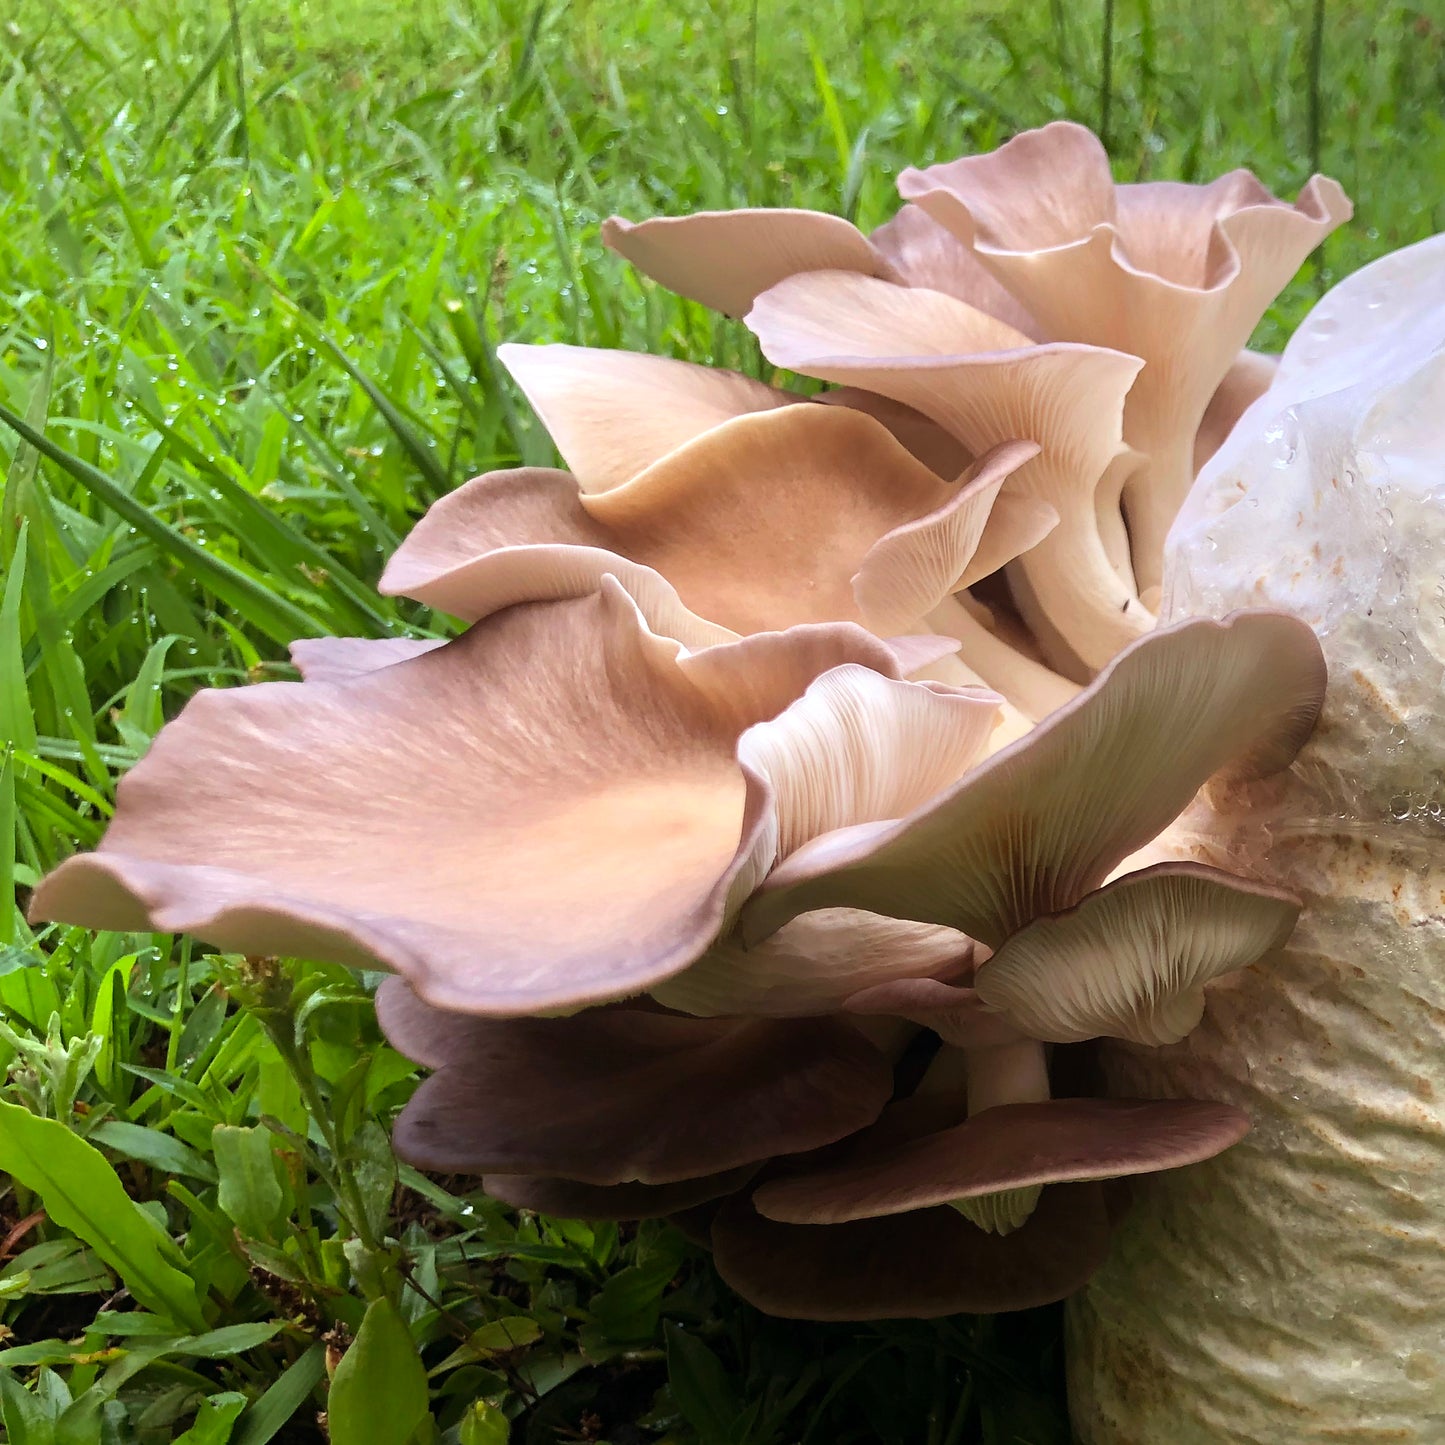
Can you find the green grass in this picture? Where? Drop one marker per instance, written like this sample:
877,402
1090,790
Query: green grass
254,259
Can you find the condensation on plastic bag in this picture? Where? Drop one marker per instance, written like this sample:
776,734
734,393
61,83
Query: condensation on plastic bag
1293,1290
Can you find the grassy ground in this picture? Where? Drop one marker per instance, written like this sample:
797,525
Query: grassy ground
253,262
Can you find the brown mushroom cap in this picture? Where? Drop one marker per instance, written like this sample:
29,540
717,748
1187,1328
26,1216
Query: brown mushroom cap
1038,825
914,1266
1010,1146
569,1199
616,1096
800,514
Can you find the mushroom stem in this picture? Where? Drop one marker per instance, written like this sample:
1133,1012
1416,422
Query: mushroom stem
1032,688
1152,499
1077,605
1015,1073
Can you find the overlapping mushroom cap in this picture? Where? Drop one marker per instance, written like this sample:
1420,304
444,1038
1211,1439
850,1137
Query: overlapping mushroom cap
1023,292
670,858
560,807
763,509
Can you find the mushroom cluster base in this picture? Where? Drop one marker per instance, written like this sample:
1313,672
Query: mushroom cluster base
1293,1290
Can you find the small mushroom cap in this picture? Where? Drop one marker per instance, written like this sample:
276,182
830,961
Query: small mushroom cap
1040,824
1010,1146
612,414
921,1265
726,258
1131,959
812,966
569,1199
615,1096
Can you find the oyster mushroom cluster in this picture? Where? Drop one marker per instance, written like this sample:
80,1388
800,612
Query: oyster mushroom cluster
783,811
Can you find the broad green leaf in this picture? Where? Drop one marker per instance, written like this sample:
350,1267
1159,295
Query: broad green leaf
25,1417
107,1017
701,1387
151,1146
214,1420
81,1193
379,1392
251,1190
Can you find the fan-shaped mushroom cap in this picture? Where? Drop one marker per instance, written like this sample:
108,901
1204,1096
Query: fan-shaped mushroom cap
1012,1146
725,258
812,965
1038,825
801,514
1176,274
986,383
613,414
545,812
520,536
1131,959
920,1266
615,1096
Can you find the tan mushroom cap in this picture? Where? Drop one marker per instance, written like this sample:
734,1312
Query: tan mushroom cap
339,659
1176,274
1009,1147
801,514
616,1096
812,965
522,535
926,254
612,414
1131,959
986,383
545,812
1040,824
725,258
569,1199
918,1266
